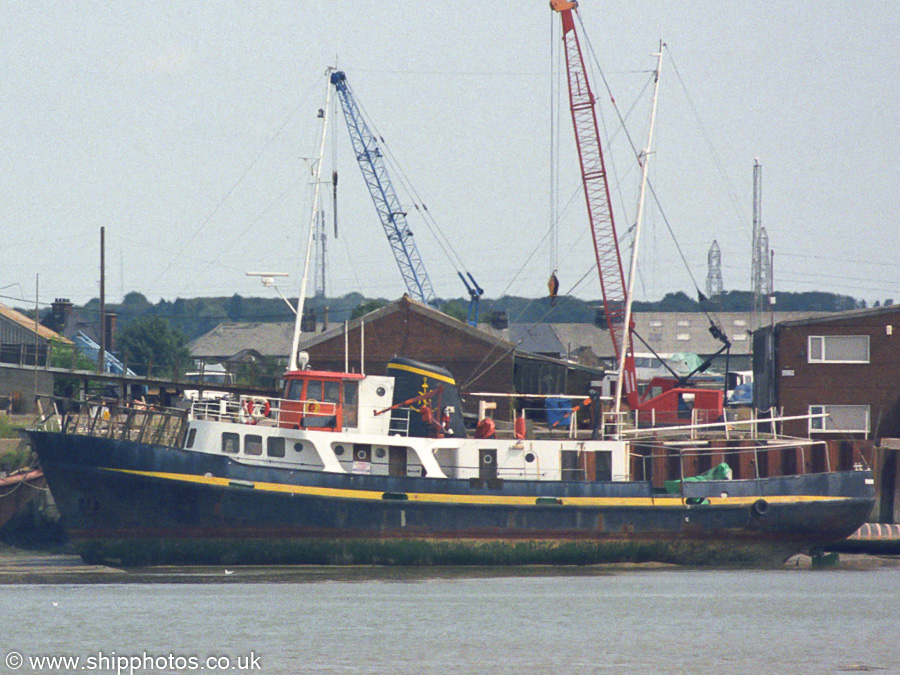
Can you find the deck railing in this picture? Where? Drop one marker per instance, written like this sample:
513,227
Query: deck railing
109,418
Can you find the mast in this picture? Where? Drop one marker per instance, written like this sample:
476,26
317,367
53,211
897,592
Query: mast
317,182
632,272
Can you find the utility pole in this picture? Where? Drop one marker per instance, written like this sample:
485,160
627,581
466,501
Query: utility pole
101,353
758,263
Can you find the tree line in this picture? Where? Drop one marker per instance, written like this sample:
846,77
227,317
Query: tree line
158,332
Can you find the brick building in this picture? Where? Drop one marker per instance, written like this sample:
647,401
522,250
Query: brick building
845,365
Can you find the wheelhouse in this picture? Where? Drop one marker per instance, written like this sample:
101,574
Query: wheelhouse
320,400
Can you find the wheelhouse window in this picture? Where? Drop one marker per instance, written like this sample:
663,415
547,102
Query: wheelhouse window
351,415
295,390
314,390
231,443
838,349
331,392
853,419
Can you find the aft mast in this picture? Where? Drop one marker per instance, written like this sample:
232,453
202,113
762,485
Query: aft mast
632,272
317,182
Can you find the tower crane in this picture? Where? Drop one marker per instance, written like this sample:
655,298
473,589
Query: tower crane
672,399
392,216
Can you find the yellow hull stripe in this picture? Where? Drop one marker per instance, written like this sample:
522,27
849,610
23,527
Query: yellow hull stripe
421,371
492,500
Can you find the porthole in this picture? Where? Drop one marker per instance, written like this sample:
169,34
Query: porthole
339,450
380,452
529,457
380,391
488,459
298,447
362,455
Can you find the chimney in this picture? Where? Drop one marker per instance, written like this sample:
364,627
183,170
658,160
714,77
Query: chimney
499,319
61,313
308,322
110,330
325,319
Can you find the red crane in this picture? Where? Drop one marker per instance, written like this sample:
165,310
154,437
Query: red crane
674,399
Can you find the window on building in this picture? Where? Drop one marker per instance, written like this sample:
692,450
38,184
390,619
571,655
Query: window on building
740,337
838,349
841,419
684,323
656,324
740,322
683,337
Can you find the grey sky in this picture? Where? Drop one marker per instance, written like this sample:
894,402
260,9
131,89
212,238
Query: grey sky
181,127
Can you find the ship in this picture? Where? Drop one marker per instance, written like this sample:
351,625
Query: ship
348,469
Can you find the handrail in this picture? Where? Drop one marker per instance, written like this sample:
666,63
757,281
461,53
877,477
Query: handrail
107,418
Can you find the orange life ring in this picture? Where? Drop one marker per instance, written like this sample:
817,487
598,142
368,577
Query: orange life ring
312,407
255,409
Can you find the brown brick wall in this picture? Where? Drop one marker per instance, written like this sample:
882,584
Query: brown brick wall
876,383
410,334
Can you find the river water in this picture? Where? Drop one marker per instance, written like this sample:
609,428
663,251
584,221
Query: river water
616,620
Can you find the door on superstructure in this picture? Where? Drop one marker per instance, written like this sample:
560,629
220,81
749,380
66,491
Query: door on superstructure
396,461
487,463
570,465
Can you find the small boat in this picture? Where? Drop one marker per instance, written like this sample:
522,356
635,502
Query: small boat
379,469
17,489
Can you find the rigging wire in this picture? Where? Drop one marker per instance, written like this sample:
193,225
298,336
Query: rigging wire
650,186
402,179
237,183
732,193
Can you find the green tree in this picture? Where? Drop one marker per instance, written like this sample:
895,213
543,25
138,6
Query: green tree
456,309
151,343
366,307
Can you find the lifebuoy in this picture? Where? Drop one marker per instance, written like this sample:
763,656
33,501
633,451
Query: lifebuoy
257,409
312,407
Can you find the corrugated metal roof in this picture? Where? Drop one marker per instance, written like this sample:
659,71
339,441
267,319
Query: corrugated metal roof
227,339
665,332
25,323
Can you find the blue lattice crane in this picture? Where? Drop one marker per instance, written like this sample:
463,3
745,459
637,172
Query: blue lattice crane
392,215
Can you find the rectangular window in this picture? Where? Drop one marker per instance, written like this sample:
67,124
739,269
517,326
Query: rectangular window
332,393
314,390
230,443
252,445
275,446
683,337
838,349
841,419
192,434
683,323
